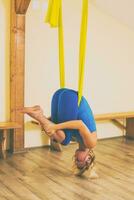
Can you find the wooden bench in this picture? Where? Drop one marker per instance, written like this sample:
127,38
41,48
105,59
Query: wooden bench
5,129
110,116
114,118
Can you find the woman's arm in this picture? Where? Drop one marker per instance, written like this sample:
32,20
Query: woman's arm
74,124
89,138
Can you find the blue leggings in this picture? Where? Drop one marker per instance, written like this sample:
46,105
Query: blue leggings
64,107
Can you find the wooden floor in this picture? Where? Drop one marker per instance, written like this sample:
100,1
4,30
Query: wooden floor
41,174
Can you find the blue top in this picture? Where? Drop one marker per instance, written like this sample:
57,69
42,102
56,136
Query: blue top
86,115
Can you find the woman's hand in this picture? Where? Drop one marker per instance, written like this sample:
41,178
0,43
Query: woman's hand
50,129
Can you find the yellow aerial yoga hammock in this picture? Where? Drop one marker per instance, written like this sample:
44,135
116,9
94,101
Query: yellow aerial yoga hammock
54,18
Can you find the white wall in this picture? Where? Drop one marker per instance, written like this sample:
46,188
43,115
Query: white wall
4,59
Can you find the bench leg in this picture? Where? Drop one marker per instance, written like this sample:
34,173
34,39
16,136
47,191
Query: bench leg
11,141
3,136
130,128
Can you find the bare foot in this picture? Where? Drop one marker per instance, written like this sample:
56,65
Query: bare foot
35,112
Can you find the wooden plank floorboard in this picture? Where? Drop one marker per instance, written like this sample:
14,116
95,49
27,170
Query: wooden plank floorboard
49,174
41,174
115,160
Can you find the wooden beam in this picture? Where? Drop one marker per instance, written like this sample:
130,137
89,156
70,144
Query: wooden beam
9,125
17,62
110,116
21,6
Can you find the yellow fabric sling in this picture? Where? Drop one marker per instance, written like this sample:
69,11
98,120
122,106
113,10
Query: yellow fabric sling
82,50
54,18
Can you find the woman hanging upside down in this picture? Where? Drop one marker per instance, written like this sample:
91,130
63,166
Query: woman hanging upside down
68,120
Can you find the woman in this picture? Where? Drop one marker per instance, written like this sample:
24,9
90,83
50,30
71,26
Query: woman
68,120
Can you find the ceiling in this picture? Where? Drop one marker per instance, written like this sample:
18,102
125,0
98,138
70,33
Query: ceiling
123,10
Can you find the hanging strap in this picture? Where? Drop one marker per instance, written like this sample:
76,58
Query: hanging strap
82,50
54,18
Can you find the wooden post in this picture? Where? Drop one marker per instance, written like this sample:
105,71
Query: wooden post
17,66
